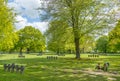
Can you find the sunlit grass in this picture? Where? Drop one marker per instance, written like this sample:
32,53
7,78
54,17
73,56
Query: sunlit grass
65,68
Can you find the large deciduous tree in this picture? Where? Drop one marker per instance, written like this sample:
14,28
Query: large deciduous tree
114,38
30,39
102,44
7,35
84,16
63,41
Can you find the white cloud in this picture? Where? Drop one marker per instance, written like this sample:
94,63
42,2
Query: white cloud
27,8
40,25
22,22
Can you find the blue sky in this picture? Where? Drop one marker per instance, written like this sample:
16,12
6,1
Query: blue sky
28,15
10,0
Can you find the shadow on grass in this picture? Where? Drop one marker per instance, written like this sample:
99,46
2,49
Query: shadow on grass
42,69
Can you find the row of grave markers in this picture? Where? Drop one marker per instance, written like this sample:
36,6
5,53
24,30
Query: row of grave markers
12,68
52,57
93,55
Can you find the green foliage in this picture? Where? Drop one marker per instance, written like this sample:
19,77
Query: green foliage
63,41
30,39
114,38
87,43
84,16
7,35
57,39
102,44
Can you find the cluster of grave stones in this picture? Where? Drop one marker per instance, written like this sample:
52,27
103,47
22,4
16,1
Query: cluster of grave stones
40,54
12,68
104,67
52,57
93,55
21,56
61,54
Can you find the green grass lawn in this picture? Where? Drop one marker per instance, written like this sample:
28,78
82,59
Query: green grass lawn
65,68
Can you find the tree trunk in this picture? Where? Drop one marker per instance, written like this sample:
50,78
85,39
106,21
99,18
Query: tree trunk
20,51
77,48
58,51
75,21
28,51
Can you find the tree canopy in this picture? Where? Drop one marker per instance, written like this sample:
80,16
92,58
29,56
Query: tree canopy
57,39
7,35
30,39
84,16
114,38
102,44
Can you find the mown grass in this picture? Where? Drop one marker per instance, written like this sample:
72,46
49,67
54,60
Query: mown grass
65,68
